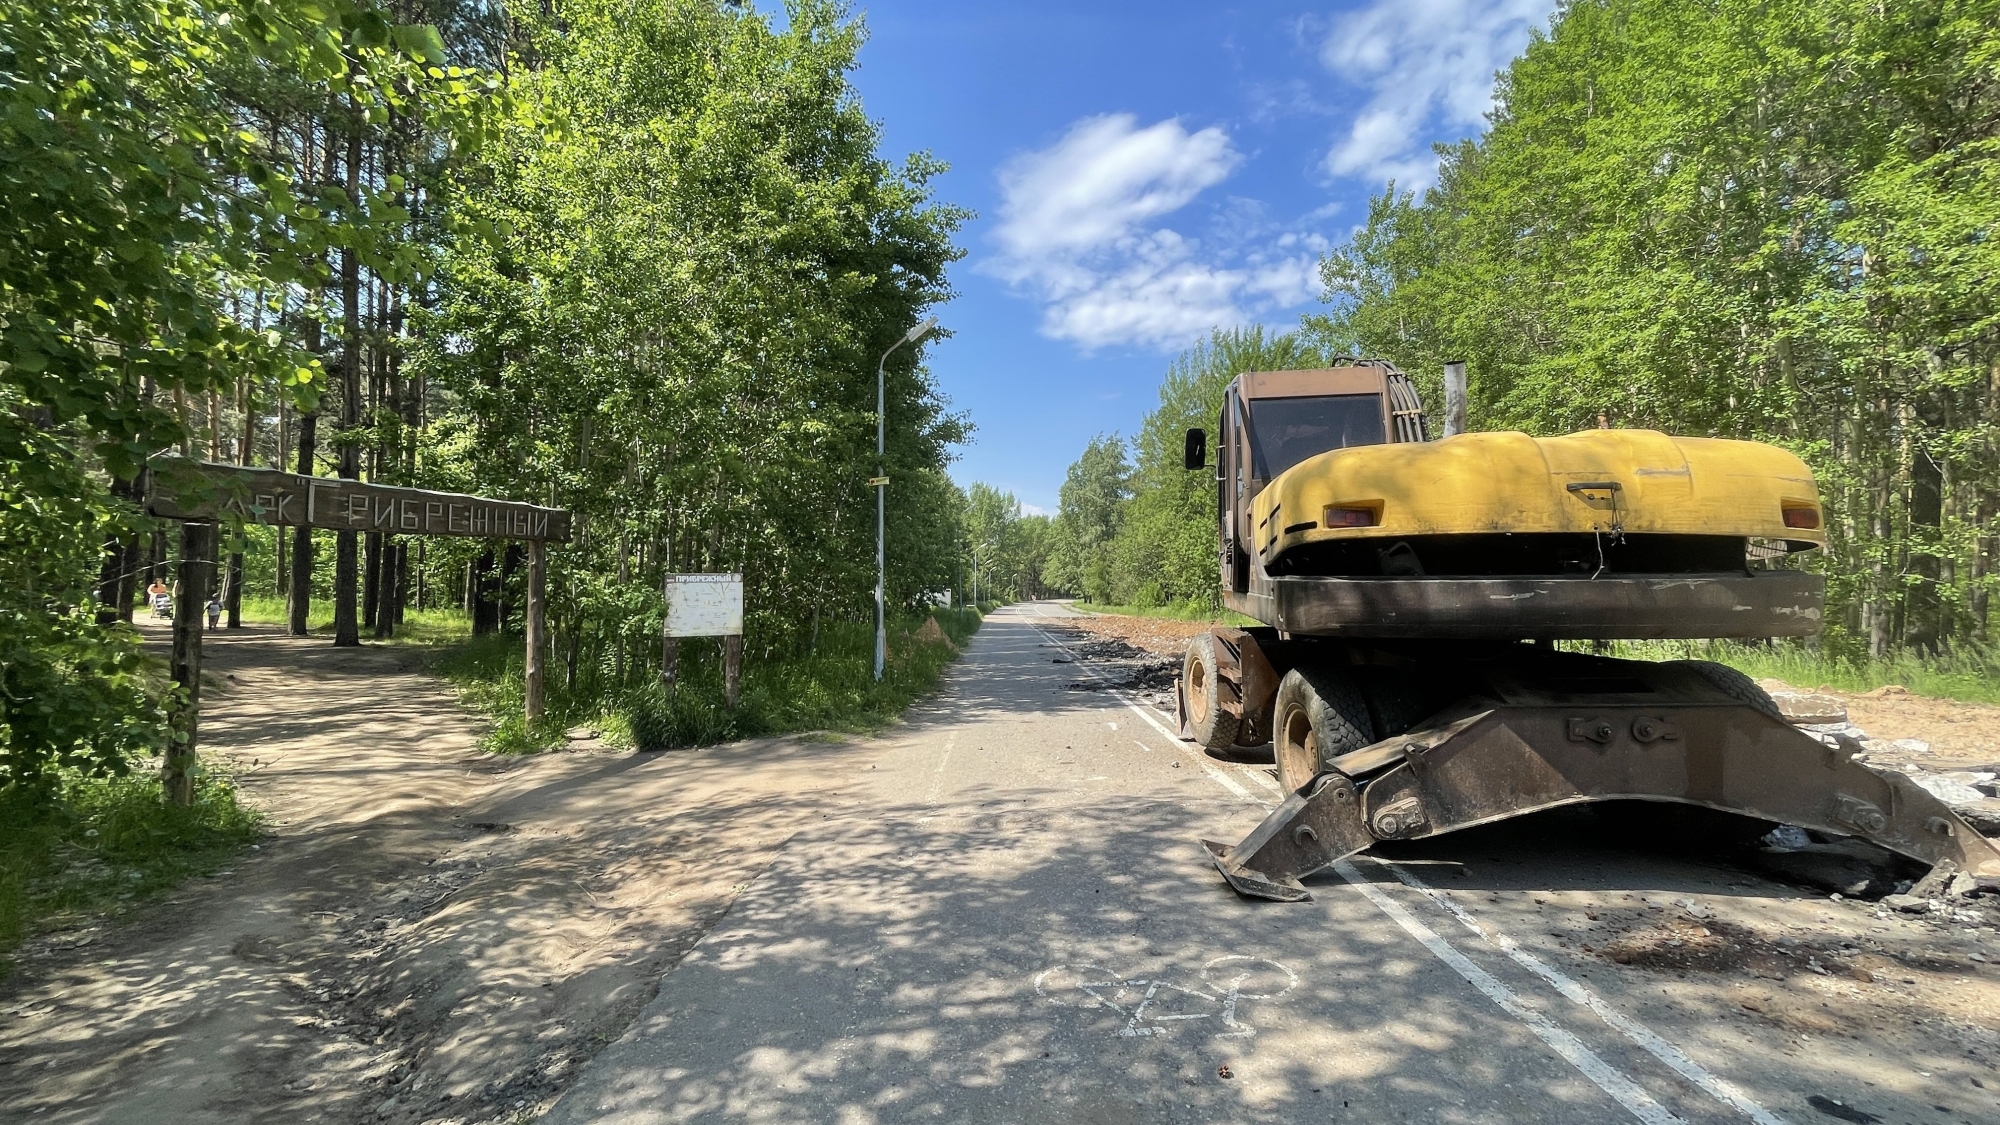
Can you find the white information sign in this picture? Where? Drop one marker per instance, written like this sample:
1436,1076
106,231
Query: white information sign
704,605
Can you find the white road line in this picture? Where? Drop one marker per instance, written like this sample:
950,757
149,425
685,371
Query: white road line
1200,759
1632,1029
937,777
1607,1078
1263,778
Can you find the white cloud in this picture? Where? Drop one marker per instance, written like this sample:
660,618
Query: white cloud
1104,178
1079,230
1428,67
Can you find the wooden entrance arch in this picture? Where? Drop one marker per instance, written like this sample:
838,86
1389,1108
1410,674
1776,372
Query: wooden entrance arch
202,494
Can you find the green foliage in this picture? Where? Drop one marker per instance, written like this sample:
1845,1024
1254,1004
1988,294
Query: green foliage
1970,678
89,843
1016,552
151,204
699,260
1143,533
831,687
1739,219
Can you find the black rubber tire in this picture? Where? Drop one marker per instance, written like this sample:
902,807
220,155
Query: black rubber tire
1201,686
1734,684
1396,699
1320,713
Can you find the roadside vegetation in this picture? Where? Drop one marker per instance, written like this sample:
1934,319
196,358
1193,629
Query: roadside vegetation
92,844
637,260
830,687
1738,219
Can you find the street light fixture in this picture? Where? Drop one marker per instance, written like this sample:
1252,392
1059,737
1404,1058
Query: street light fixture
881,482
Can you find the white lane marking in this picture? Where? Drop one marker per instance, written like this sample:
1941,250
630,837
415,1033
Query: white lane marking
1632,1029
1142,746
1621,1089
1145,713
937,776
1263,777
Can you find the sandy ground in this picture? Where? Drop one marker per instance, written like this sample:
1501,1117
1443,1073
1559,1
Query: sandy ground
428,934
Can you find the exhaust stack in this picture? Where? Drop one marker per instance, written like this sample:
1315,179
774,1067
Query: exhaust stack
1454,397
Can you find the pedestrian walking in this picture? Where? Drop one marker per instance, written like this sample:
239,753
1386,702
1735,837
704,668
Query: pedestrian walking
214,612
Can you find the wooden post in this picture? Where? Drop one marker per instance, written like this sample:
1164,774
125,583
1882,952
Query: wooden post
537,624
670,650
196,571
732,668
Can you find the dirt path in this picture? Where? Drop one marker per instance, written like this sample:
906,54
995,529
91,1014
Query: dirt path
429,934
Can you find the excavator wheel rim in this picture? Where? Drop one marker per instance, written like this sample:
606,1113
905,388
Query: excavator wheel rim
1208,724
1297,749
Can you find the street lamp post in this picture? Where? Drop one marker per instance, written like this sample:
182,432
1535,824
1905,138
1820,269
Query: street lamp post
881,482
988,547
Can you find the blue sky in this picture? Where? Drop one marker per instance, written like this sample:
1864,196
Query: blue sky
1144,172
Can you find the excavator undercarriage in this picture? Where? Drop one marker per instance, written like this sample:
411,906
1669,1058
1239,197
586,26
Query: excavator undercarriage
1526,729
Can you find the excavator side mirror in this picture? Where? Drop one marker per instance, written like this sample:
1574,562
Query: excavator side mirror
1195,456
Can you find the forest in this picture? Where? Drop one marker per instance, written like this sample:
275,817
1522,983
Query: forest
1732,218
637,260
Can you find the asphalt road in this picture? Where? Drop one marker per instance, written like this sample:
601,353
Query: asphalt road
1023,928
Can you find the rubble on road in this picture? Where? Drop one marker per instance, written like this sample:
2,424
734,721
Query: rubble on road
1974,794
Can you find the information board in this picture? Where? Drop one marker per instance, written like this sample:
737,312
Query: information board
704,605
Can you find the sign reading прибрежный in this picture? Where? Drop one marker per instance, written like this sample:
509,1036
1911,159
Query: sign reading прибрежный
704,605
200,490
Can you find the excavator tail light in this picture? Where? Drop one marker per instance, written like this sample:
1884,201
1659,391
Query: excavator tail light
1802,517
1335,516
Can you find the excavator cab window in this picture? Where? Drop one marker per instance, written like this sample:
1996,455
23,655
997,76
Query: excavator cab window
1286,431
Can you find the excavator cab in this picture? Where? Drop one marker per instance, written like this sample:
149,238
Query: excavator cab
1272,420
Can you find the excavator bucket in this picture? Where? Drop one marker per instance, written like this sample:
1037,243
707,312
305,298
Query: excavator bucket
1653,732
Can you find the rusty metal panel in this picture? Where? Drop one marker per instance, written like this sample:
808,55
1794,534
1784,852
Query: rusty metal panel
1510,761
1325,381
199,490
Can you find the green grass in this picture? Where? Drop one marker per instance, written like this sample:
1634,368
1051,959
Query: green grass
830,689
419,627
1185,611
1971,679
102,845
1963,678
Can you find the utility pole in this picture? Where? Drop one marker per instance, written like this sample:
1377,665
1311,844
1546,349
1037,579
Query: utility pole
881,482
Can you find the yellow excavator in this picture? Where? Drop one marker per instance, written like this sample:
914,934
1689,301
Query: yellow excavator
1411,592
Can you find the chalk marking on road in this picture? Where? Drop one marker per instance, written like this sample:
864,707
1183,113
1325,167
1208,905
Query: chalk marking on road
1235,970
1632,1029
1607,1078
1233,992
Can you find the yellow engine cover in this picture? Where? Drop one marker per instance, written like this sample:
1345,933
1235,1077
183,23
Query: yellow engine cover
1509,482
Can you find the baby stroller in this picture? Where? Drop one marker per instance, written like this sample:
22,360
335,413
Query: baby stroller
163,606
